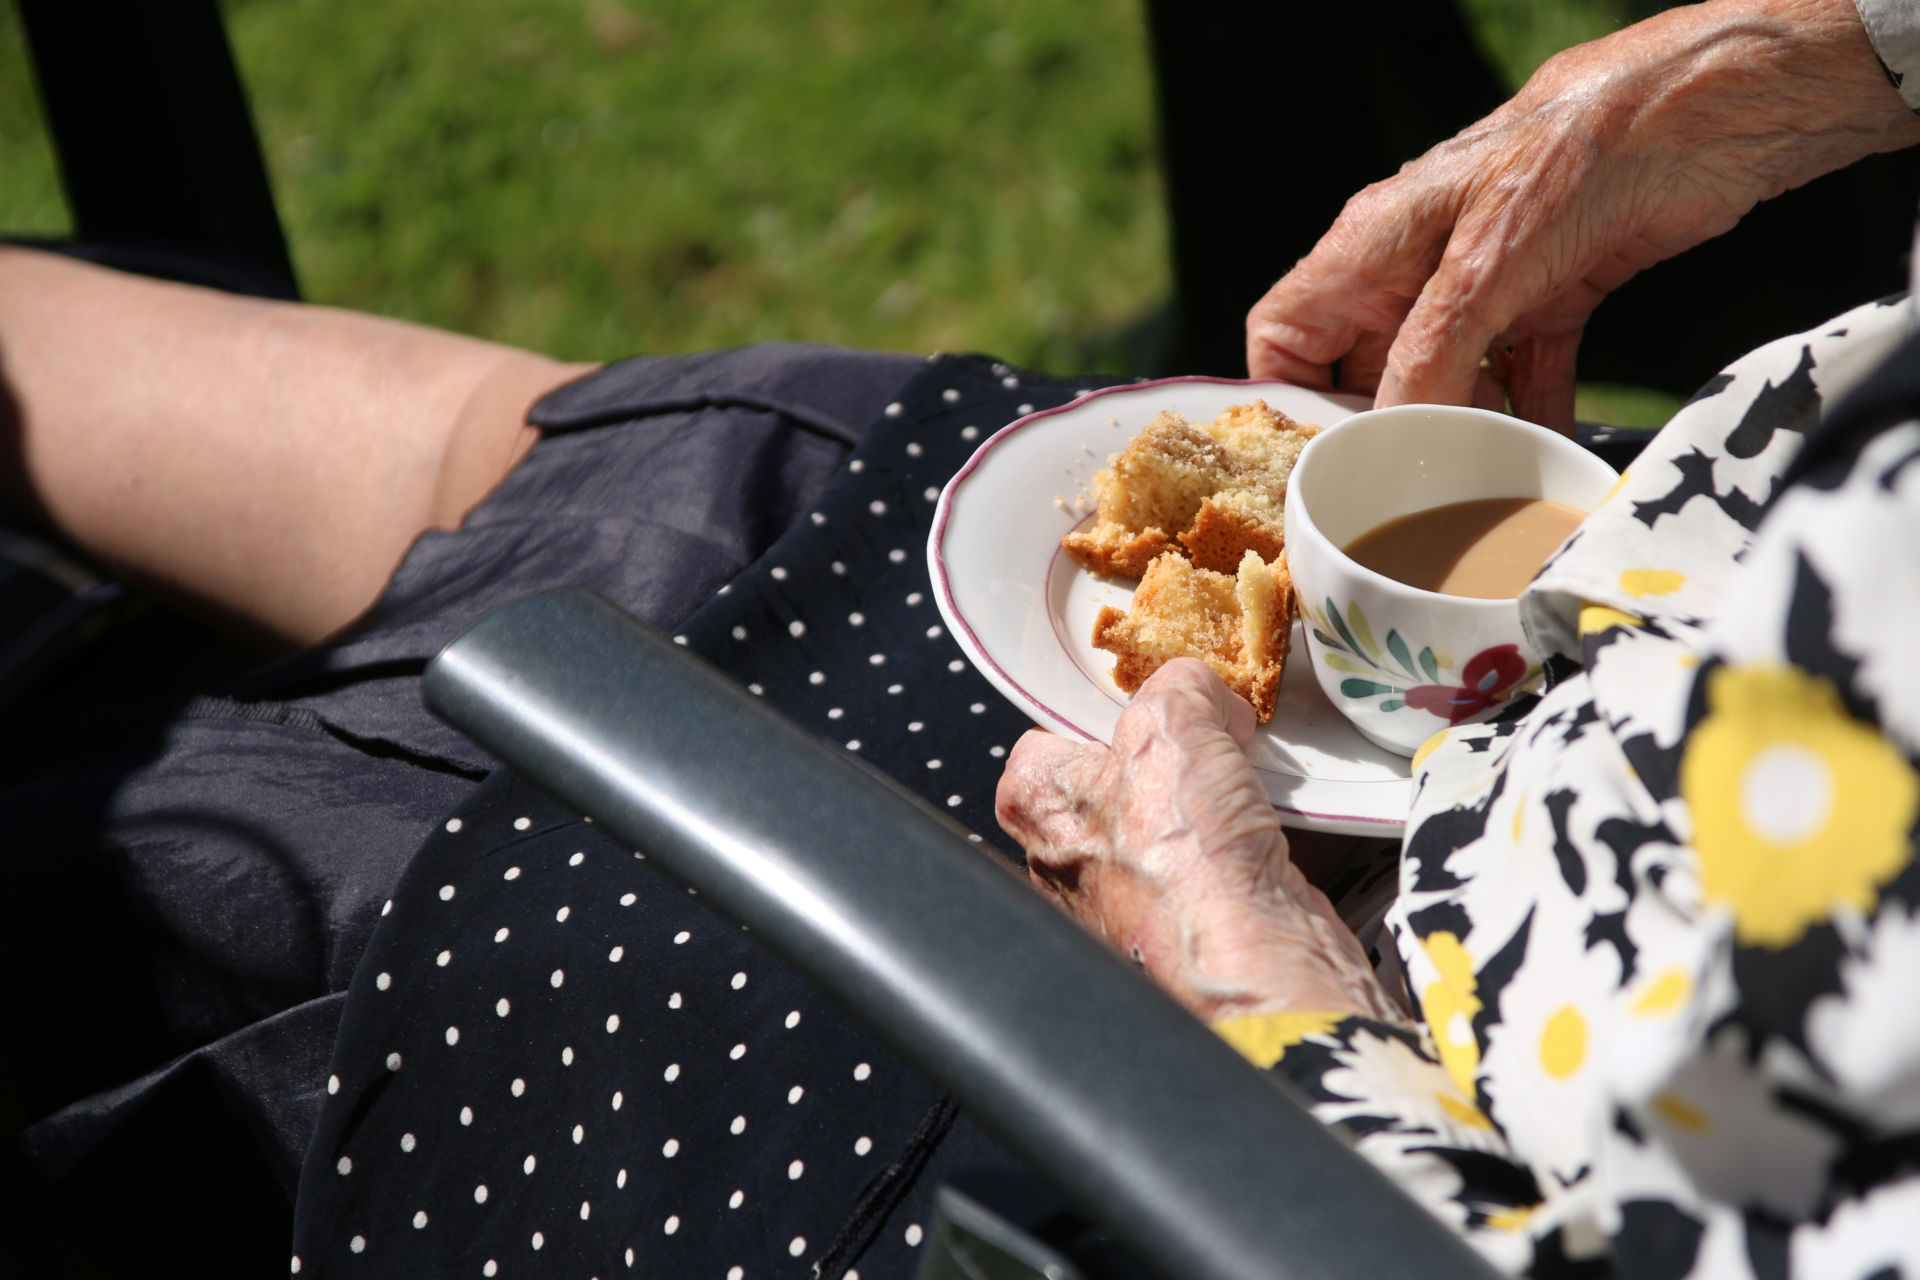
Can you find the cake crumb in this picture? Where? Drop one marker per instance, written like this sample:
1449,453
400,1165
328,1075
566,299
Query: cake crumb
1208,491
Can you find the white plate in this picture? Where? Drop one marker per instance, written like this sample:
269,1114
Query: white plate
1023,610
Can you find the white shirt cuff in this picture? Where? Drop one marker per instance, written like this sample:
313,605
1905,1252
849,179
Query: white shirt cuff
1894,28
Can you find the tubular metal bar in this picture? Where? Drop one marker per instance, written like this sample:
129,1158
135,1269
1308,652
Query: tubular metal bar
1196,1161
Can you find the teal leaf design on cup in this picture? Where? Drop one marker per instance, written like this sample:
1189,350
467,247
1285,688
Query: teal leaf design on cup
1398,648
1349,646
1356,641
1339,624
1357,624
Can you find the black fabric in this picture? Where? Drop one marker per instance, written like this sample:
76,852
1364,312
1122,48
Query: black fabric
1889,396
188,885
631,1079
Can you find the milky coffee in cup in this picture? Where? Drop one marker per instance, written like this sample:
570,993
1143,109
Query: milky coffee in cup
1401,661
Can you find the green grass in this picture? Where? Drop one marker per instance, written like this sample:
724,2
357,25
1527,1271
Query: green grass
30,200
593,178
1624,406
1518,35
598,178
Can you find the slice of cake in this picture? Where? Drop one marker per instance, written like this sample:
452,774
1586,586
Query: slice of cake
1211,491
1238,624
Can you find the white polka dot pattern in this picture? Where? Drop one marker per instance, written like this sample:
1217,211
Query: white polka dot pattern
589,945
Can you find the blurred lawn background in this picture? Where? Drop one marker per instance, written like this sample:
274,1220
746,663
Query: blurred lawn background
595,178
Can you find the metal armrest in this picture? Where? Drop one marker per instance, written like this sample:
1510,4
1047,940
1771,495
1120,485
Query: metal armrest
1198,1162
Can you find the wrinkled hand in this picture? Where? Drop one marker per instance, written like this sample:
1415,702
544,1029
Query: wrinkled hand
1615,155
1166,845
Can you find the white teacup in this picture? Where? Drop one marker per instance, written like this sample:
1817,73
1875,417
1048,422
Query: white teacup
1399,662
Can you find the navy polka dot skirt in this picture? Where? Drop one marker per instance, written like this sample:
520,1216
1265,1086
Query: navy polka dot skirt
555,1061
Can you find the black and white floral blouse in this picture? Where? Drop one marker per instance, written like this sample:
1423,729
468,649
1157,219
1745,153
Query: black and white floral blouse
1662,925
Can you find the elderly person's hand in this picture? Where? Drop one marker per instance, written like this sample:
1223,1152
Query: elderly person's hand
1165,845
1615,155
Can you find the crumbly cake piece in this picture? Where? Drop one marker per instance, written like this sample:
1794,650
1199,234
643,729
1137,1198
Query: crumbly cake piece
1239,624
1210,491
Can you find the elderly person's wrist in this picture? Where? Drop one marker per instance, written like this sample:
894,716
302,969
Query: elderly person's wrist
1774,92
1165,845
1276,949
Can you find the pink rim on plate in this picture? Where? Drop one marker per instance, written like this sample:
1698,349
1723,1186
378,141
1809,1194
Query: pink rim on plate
1015,629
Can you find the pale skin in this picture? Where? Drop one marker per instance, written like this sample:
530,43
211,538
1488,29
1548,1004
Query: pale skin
1615,155
264,463
1165,844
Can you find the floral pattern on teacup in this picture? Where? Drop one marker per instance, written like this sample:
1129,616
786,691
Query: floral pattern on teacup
1392,672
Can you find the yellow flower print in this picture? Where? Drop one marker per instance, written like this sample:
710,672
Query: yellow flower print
1428,747
1563,1043
1465,1112
1665,994
1264,1038
1798,808
1595,618
1512,1219
1651,582
1451,1003
1680,1113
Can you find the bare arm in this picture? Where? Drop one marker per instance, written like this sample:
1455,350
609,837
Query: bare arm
1615,155
266,461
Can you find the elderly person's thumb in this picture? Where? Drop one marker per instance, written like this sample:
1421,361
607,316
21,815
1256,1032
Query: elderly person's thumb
1056,790
1186,698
